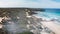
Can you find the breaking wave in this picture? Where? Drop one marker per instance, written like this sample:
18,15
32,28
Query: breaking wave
50,14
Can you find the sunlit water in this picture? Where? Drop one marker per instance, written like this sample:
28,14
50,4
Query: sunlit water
52,19
50,14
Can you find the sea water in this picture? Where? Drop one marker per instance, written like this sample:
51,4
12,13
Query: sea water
50,14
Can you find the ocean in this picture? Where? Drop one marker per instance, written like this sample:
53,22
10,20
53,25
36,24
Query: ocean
51,19
50,14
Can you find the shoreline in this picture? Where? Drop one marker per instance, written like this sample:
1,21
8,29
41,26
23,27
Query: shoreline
51,25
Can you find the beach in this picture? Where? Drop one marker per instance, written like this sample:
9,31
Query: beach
52,25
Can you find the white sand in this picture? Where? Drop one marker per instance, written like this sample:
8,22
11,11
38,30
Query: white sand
1,19
0,22
1,26
54,27
50,24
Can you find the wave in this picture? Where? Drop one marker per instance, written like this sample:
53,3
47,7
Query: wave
49,16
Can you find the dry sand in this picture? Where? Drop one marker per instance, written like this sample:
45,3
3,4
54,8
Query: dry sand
54,27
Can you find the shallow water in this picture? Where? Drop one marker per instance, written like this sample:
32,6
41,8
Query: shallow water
50,14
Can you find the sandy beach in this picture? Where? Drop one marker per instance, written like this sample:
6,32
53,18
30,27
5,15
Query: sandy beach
51,25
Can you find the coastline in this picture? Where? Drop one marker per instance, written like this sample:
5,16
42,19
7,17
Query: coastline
50,24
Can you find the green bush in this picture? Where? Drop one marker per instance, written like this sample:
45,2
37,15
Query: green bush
27,32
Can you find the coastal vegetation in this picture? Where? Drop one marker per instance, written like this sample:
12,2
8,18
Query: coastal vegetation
25,32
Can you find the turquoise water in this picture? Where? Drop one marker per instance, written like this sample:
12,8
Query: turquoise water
50,13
